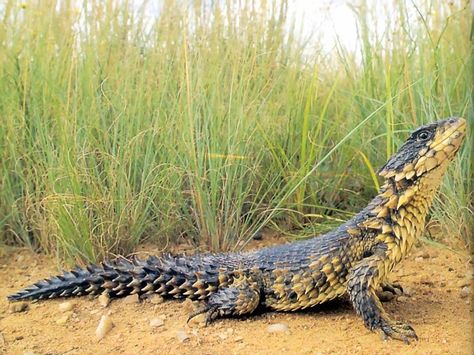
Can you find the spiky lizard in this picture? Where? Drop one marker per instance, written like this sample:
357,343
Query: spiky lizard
353,259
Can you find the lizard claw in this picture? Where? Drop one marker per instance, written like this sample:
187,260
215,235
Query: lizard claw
197,312
398,330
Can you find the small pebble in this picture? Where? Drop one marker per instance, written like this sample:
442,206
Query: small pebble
105,325
156,322
104,300
131,299
465,292
419,259
156,299
66,306
63,320
277,328
182,336
18,307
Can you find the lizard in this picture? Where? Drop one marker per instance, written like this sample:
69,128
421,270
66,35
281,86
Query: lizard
354,259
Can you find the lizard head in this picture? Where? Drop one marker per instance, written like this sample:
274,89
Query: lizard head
428,150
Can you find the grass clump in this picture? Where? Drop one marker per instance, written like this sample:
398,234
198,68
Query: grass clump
209,122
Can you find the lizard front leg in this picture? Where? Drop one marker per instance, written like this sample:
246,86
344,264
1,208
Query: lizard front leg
363,282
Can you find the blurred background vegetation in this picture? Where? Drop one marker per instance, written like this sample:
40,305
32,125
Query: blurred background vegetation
209,122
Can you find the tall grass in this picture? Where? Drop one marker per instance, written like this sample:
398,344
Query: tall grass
209,122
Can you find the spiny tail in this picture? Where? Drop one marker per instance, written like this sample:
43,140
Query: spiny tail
168,276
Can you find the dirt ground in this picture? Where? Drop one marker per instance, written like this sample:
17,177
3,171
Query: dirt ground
438,306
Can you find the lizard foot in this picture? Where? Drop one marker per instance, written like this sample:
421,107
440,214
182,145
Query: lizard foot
398,330
388,291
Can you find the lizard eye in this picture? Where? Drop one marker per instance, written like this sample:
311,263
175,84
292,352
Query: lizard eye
423,135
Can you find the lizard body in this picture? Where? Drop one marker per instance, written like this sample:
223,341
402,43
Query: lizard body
355,258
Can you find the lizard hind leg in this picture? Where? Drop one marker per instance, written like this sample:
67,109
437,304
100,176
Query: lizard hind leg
240,297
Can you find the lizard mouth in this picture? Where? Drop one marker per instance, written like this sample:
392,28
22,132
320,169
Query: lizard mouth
453,136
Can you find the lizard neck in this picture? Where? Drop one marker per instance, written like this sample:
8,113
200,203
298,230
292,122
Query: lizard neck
397,214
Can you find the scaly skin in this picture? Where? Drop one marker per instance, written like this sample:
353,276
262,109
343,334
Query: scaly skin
355,258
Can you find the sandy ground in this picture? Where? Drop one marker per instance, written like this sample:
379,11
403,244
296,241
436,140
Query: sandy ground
438,306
